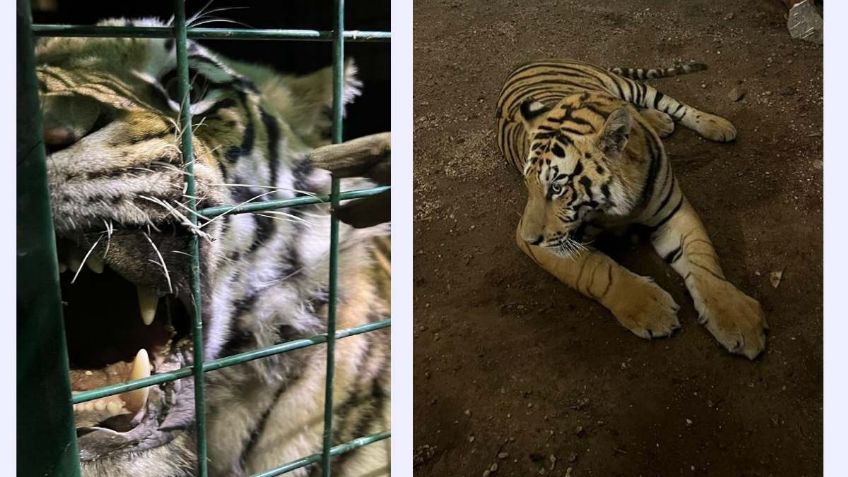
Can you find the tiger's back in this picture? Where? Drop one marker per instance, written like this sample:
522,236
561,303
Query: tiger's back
549,81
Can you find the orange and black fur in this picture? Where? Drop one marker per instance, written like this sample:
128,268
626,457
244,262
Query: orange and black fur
587,141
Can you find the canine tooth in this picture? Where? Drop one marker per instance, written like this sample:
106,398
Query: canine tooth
136,399
95,264
100,405
147,301
74,263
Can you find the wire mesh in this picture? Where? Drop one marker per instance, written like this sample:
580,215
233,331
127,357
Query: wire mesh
43,348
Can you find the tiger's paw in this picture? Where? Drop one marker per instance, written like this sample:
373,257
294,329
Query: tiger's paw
713,127
647,310
659,121
736,320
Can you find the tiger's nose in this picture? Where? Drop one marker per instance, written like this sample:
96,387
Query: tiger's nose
58,137
67,120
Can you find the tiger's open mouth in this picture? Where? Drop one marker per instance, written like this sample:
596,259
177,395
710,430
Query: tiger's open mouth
118,330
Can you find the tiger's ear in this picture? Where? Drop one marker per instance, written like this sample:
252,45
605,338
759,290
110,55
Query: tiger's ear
613,137
532,112
306,102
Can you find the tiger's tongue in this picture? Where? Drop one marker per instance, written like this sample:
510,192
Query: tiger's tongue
131,402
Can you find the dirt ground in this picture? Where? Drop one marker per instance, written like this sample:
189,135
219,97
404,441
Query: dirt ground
517,374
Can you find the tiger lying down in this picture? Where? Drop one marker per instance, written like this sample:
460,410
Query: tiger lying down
588,143
117,187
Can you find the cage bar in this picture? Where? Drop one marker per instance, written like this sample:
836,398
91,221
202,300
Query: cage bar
338,93
187,149
208,33
335,451
212,212
43,383
225,362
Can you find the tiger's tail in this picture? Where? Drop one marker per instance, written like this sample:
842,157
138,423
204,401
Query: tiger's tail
653,73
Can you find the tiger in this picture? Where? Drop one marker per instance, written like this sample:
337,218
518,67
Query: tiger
587,141
116,177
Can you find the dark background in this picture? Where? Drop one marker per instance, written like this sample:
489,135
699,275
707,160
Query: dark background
515,371
370,113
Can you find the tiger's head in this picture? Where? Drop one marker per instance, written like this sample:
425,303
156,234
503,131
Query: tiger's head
117,184
576,169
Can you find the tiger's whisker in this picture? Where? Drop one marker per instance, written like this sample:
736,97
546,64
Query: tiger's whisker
162,260
82,264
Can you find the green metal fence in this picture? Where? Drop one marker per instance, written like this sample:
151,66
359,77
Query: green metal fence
46,439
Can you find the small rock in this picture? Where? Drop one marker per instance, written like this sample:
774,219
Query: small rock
572,458
736,94
775,278
728,17
818,164
567,472
580,431
805,22
494,467
487,473
553,460
471,438
503,455
688,422
467,412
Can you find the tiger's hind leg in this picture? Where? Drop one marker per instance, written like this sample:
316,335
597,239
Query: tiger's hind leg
734,319
638,303
661,122
707,125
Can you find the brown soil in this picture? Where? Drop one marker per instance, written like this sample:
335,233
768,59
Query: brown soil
511,367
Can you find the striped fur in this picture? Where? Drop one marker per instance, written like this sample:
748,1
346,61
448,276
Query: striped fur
654,73
264,276
588,144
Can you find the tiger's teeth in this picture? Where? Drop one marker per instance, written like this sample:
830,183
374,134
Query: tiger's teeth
136,399
74,263
95,264
114,408
147,301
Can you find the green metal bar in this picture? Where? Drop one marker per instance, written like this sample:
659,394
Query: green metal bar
224,362
184,89
207,33
212,212
338,92
46,438
335,451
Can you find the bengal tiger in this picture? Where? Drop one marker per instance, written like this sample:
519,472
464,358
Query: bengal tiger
587,141
116,180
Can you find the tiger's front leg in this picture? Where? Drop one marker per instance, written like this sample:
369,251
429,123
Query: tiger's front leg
734,319
637,302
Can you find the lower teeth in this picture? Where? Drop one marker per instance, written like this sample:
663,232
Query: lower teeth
131,402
